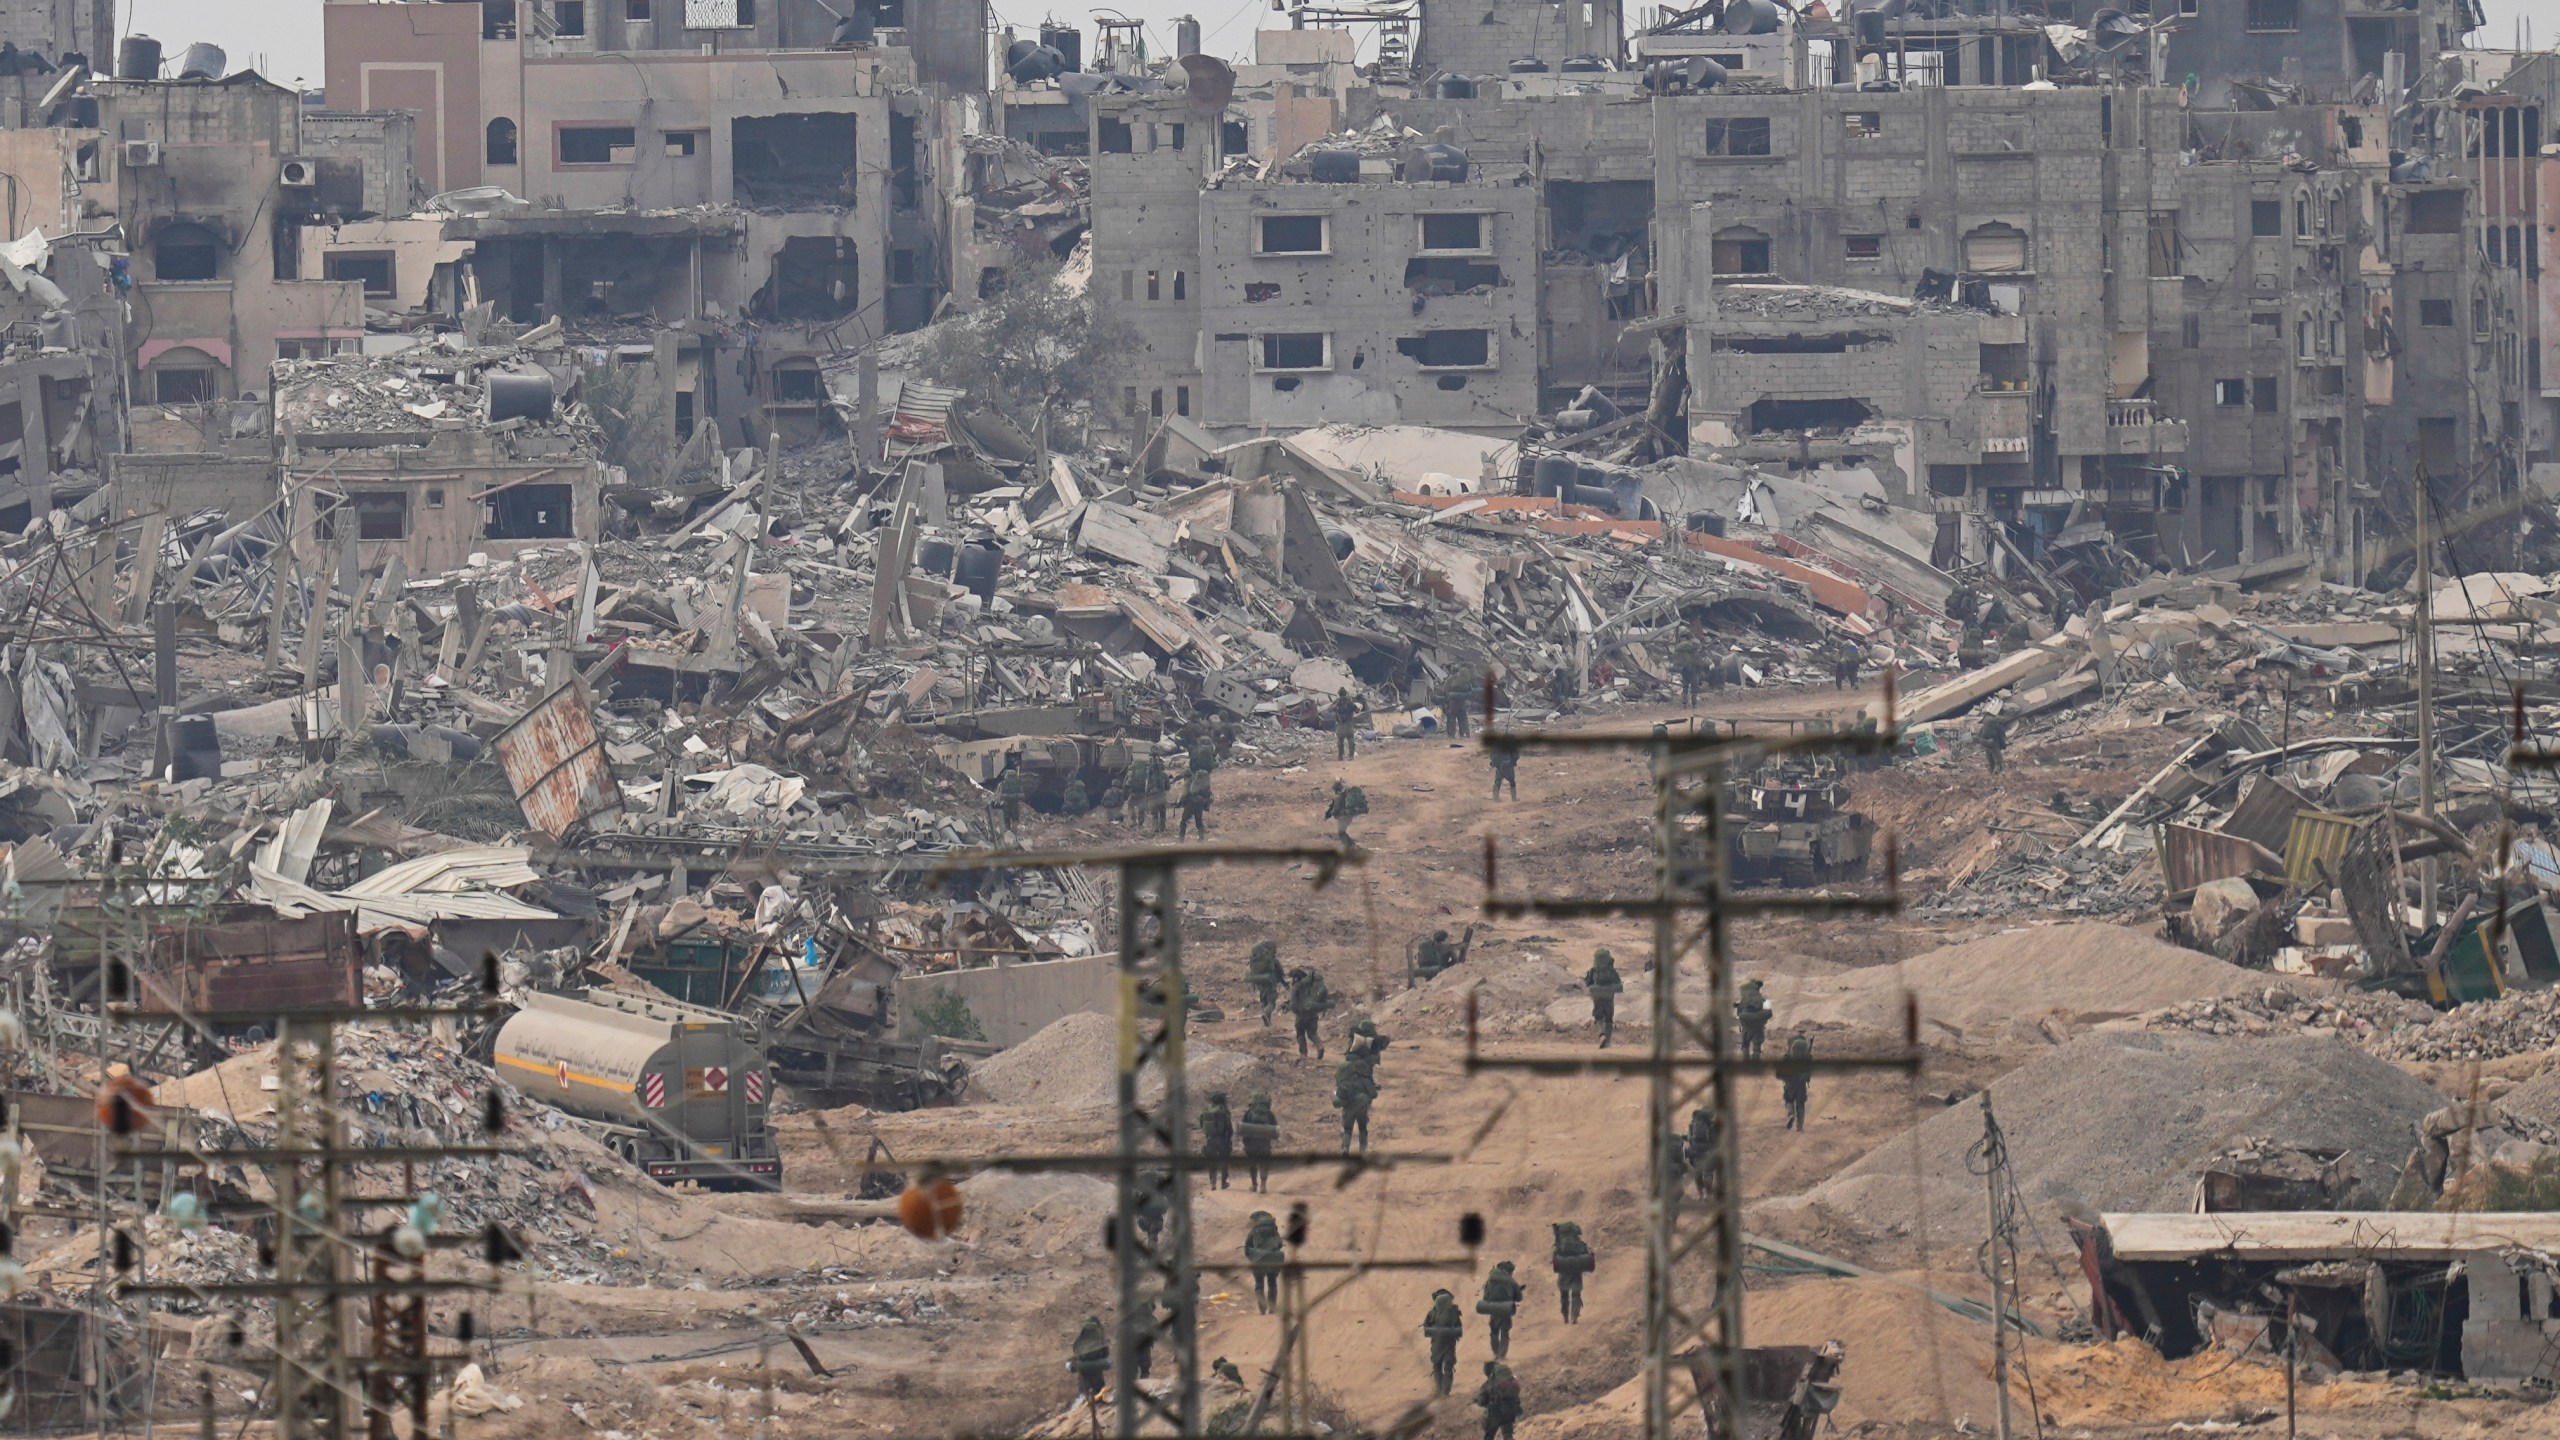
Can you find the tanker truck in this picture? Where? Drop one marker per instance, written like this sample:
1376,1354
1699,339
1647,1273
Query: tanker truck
682,1092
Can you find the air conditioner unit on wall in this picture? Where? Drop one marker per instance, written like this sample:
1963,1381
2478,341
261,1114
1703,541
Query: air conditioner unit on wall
141,153
301,174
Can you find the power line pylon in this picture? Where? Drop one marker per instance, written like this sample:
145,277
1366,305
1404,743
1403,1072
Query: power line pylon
1692,1061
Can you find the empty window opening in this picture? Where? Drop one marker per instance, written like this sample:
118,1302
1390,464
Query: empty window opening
529,512
2435,212
1862,124
2266,217
597,144
906,186
1995,249
1307,351
1450,277
1256,292
1179,288
381,514
1767,415
1740,252
2435,313
1743,136
682,144
793,161
1181,399
635,9
1862,247
1290,235
373,267
1231,138
502,141
1116,138
902,267
1155,403
1453,232
2262,394
183,250
2004,367
186,385
1155,284
571,17
798,383
2266,16
1181,133
815,277
2231,394
1449,349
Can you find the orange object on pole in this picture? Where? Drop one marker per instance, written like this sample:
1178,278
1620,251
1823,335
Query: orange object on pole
124,1105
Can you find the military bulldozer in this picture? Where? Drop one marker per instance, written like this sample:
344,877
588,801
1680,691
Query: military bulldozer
1787,825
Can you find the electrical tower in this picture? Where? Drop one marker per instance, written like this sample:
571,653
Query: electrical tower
1693,1060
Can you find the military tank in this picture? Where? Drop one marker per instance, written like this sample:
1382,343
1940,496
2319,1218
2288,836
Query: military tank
1787,825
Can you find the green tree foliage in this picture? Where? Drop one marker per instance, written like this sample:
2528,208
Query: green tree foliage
1037,348
949,1016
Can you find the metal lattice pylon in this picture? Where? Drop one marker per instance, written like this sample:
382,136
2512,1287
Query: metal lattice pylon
1159,1290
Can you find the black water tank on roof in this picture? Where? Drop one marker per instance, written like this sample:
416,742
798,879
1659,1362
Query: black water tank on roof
1335,167
202,62
1550,475
1443,162
981,564
1455,87
138,58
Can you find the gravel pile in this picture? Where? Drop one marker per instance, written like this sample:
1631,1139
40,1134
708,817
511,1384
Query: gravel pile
1074,1062
2119,1120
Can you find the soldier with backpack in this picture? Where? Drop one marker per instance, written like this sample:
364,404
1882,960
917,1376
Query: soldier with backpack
1501,1300
1217,1138
1195,804
1264,1251
1572,1260
1264,974
1444,1325
1261,1130
1602,984
1350,802
1308,1000
1499,1398
1355,1087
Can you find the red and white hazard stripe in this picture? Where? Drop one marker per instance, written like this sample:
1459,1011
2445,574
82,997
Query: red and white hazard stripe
653,1091
755,1087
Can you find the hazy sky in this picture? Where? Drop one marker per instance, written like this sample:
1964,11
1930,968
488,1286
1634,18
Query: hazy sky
286,33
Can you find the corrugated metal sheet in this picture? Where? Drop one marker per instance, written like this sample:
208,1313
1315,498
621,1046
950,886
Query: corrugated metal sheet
2190,857
555,760
2317,840
2265,813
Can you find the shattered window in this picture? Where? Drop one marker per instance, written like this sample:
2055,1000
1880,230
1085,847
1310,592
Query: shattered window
1449,349
182,387
798,385
373,267
185,251
1740,252
1745,136
793,161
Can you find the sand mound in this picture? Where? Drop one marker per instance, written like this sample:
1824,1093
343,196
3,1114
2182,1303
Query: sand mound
2122,1120
1074,1062
1515,990
2002,988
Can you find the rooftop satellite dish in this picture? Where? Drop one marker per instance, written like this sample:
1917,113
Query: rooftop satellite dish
1211,82
73,76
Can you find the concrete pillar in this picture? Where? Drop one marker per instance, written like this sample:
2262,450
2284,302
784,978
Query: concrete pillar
35,448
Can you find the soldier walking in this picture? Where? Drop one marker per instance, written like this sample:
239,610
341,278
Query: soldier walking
1264,974
1454,702
1091,1360
1365,1044
1346,726
1444,1325
1795,1078
1572,1260
1264,1251
1751,1013
1506,771
1499,1398
1217,1138
1308,1000
1354,1088
1154,792
1195,804
1690,664
1698,1149
1501,1299
1994,734
1601,983
1261,1130
1349,803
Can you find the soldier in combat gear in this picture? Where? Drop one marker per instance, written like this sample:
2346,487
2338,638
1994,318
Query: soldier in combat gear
1751,1012
1091,1359
1444,1325
1354,1089
1506,771
1009,793
1795,1077
1601,983
1217,1138
1264,971
1195,805
1698,1149
1308,1000
1261,1130
1572,1260
1346,726
1264,1251
1501,1299
1499,1396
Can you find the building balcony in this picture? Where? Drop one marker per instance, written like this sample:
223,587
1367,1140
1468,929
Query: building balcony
2136,427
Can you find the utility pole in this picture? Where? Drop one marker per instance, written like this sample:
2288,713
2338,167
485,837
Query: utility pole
1694,1059
2424,650
1995,1173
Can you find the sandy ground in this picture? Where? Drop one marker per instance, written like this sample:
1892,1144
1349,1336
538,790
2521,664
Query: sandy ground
973,1335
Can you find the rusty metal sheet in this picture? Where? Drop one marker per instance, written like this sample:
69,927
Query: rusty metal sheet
2317,842
2190,857
2265,813
555,762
